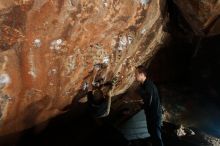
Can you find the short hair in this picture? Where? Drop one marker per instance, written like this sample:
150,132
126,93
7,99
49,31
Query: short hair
142,69
98,96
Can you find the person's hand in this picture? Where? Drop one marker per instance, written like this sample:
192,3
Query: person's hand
83,99
141,102
90,88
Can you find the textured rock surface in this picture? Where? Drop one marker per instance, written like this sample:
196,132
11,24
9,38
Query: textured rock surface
50,49
203,16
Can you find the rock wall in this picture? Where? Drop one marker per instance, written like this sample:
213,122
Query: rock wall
50,50
202,16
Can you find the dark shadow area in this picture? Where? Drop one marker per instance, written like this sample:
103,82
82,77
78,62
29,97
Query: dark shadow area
69,130
187,74
74,129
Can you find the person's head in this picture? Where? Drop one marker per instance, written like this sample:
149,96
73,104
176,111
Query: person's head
141,73
98,96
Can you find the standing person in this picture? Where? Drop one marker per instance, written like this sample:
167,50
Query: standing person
148,91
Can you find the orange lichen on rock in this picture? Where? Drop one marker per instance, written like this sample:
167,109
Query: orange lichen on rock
49,49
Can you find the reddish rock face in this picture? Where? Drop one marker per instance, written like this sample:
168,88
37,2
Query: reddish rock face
50,49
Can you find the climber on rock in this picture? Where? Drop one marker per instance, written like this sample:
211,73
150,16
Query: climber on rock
99,100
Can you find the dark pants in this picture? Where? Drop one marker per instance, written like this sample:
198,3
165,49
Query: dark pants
154,128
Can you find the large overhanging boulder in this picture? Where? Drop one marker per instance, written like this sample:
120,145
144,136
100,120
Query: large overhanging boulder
50,49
